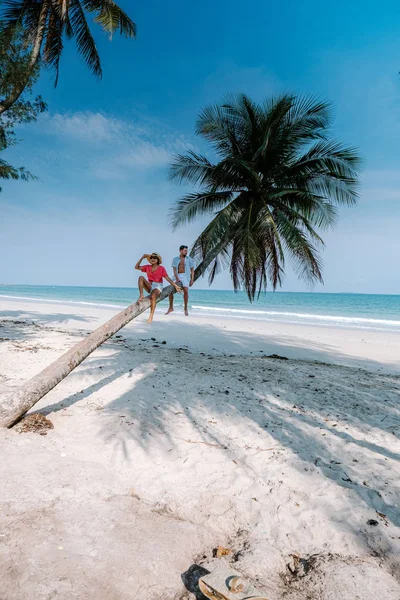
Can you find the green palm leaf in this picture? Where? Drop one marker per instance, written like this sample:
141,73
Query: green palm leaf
85,43
193,205
53,45
111,17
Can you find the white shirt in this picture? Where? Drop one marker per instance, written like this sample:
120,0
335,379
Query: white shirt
189,264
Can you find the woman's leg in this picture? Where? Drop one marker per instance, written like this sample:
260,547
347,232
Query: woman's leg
143,284
153,301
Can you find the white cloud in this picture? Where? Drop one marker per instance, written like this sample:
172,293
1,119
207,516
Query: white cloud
82,126
108,147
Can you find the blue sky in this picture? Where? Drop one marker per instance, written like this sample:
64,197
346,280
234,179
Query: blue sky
102,150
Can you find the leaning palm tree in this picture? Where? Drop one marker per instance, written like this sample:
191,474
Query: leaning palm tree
46,24
278,180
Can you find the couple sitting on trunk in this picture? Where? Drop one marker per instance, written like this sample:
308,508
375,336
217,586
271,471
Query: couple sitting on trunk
183,267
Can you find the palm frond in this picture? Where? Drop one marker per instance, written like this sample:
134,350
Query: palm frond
192,168
302,252
20,16
309,118
216,124
111,17
53,46
215,238
85,43
220,262
13,12
309,206
191,206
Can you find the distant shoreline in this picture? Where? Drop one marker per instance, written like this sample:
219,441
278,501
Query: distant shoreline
343,311
371,349
211,290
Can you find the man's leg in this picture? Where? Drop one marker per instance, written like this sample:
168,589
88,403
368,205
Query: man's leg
153,302
143,284
171,304
185,300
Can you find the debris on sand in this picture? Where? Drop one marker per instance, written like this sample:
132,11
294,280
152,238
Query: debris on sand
223,583
276,356
36,423
220,551
299,567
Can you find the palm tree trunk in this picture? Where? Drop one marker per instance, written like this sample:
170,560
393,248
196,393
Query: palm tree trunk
205,263
18,90
17,403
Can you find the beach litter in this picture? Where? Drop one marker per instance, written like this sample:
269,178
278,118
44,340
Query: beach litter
220,551
224,583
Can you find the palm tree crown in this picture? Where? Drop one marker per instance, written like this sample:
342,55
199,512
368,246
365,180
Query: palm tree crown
46,23
278,179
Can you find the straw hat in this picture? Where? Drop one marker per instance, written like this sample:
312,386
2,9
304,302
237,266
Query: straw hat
154,254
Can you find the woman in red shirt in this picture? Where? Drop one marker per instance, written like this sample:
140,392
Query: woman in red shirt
154,282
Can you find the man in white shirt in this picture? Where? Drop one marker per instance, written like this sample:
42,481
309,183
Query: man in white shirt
183,267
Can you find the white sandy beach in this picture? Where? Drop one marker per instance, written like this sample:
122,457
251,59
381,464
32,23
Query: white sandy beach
173,439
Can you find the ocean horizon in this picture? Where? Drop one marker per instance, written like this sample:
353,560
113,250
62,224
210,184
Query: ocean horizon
346,310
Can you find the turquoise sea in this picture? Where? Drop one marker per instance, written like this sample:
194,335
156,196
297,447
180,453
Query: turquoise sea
365,311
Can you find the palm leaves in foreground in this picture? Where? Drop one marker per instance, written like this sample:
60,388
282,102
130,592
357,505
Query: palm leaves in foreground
278,180
46,23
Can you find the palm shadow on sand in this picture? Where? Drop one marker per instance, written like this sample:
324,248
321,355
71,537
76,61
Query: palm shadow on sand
295,418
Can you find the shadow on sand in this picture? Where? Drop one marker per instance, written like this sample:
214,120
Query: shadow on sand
295,416
29,317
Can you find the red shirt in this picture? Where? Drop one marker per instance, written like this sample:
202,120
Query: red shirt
157,275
